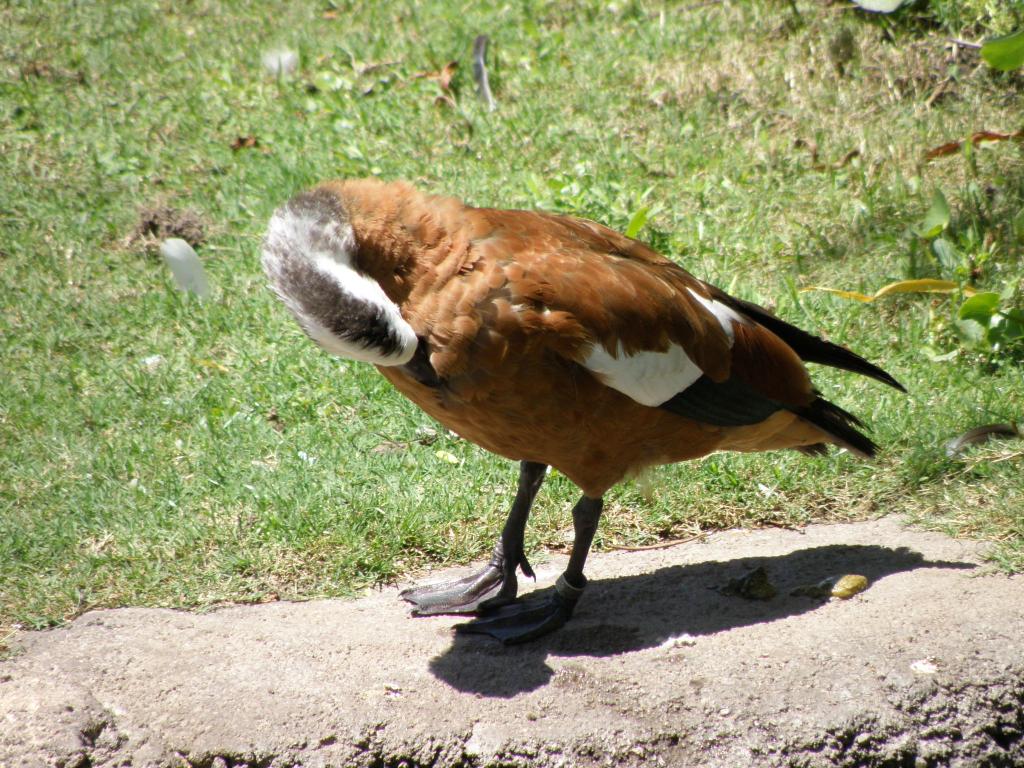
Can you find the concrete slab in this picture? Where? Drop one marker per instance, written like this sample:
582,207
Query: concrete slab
658,667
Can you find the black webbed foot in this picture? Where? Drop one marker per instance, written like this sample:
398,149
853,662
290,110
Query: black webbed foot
529,619
490,587
459,596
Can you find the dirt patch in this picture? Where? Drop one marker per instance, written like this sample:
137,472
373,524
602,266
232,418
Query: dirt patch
158,222
43,70
659,667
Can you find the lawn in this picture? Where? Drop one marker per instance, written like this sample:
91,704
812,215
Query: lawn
156,449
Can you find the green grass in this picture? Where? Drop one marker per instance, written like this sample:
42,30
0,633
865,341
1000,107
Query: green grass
246,464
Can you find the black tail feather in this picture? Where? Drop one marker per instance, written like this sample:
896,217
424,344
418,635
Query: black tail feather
733,403
838,423
818,449
808,346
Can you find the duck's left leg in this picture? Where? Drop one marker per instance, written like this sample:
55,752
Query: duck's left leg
530,619
496,584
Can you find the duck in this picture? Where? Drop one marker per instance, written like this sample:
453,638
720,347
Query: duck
553,341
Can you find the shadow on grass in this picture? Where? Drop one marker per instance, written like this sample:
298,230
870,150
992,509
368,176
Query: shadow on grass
630,613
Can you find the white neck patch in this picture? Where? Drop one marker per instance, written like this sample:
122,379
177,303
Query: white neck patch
308,255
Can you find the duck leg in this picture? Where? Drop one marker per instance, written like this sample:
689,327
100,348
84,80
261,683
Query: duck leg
496,584
533,618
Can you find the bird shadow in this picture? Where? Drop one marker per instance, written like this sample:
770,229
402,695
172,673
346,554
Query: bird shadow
629,613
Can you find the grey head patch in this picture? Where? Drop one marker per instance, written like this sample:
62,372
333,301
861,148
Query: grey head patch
309,254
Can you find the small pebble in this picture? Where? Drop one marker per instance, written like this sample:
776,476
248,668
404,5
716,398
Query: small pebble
843,587
754,585
924,667
678,641
849,585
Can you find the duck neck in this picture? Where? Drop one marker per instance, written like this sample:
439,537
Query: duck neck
399,234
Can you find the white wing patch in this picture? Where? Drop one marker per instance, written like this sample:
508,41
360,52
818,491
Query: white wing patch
725,315
650,378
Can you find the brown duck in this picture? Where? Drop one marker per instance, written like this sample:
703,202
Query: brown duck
550,340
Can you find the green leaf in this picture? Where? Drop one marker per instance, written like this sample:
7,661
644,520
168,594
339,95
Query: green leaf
1005,53
945,253
980,308
637,222
1013,324
353,152
937,357
855,295
923,285
879,6
970,331
329,81
937,218
536,185
1018,224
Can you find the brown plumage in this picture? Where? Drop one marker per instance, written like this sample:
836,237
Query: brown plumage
550,340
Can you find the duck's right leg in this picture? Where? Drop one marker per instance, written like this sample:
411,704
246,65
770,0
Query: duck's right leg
496,584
